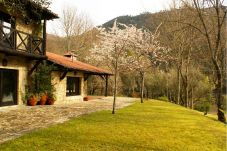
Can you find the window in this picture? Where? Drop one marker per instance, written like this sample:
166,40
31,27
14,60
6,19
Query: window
7,38
73,86
8,87
6,22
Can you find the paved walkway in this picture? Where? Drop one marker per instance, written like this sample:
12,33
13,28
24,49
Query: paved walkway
18,120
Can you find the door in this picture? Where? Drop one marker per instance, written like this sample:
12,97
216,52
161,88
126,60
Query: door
8,87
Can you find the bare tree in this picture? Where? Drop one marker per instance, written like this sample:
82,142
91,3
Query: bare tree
73,24
211,16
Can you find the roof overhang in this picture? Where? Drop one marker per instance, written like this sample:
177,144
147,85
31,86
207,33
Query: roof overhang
69,65
41,13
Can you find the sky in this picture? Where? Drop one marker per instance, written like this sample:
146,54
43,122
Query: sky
101,11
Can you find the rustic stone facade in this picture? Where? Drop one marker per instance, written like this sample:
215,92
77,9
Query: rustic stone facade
22,66
22,48
18,63
60,86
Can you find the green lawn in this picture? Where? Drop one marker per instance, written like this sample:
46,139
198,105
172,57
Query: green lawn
153,125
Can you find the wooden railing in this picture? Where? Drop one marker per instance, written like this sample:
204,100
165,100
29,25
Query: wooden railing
20,42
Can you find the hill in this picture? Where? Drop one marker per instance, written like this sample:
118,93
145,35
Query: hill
84,41
139,20
55,44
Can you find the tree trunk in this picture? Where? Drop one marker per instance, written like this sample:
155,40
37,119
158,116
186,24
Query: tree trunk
115,86
179,86
192,101
218,88
167,87
147,94
186,87
186,77
217,5
142,86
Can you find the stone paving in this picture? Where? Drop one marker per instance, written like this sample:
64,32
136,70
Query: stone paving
18,120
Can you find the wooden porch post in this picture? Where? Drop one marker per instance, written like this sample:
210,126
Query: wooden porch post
44,37
106,88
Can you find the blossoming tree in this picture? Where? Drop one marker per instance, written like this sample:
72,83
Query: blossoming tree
112,51
127,48
145,52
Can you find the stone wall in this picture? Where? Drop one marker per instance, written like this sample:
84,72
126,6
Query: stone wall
60,86
34,28
21,26
21,65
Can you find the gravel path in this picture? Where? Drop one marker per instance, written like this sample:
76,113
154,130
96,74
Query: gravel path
18,120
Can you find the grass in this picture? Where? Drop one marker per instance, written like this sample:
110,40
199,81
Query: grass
154,125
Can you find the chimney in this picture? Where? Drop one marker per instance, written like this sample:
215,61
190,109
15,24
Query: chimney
71,55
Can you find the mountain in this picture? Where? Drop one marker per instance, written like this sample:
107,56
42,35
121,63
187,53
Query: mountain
148,20
138,21
84,42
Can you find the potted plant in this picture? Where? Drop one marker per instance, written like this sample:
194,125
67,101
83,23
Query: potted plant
40,84
50,101
86,98
32,100
43,99
30,97
43,83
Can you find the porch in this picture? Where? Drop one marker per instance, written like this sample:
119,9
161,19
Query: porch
18,43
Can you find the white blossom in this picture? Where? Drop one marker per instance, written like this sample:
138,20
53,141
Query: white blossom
132,48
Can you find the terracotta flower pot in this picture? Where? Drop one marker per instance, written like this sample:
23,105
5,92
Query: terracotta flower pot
32,101
43,99
50,101
86,98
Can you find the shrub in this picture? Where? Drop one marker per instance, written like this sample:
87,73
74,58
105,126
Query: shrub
40,82
163,98
203,105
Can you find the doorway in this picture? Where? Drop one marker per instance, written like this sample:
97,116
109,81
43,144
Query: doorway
8,87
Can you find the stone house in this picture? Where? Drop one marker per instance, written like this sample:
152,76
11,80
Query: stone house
70,77
23,48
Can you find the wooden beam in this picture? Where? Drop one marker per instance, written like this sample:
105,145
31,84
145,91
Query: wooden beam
13,52
102,76
1,87
106,88
34,67
44,37
86,76
63,75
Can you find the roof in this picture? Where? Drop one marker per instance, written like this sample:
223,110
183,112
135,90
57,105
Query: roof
75,65
48,14
29,5
45,13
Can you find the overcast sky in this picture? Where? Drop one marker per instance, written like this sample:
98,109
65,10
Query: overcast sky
101,11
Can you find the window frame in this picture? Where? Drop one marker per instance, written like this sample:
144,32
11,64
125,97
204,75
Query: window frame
76,83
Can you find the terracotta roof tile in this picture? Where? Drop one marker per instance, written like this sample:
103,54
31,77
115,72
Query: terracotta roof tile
75,65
